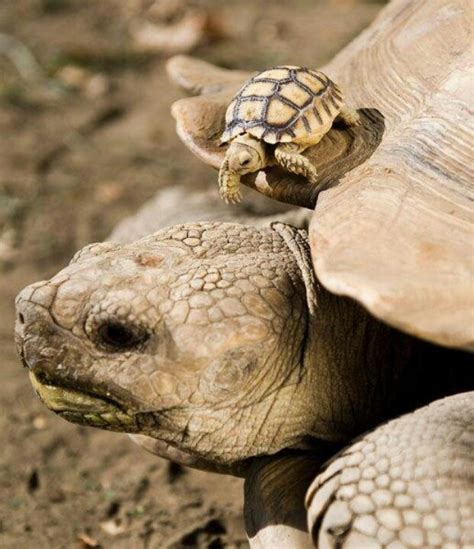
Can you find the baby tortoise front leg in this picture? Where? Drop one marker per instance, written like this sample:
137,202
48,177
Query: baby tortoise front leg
229,184
288,156
244,155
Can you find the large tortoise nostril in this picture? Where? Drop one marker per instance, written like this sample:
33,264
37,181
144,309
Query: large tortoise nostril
22,314
20,320
33,323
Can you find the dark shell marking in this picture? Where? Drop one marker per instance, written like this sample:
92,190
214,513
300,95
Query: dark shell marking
282,104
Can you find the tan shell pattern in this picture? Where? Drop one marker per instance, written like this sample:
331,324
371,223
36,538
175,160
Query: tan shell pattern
283,104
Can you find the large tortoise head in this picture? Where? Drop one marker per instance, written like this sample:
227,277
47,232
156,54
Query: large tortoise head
190,335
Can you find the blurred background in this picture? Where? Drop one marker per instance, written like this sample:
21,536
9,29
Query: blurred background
85,139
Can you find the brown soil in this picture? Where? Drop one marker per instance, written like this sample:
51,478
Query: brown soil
72,163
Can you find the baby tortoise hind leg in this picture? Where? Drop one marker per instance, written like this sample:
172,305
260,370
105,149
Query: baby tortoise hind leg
349,116
229,184
288,156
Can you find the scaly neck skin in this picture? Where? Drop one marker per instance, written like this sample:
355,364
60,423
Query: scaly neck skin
356,363
352,361
360,370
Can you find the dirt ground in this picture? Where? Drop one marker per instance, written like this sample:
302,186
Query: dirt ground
85,138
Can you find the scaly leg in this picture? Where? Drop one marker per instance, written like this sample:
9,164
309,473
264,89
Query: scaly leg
406,484
229,184
289,156
350,116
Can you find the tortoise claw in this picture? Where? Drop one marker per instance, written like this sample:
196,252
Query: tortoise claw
236,198
233,198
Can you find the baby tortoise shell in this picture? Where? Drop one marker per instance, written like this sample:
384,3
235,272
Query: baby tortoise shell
289,107
283,104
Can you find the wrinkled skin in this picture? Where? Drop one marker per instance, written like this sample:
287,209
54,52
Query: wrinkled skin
213,339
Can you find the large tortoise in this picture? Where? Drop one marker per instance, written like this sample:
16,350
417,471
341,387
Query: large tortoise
225,346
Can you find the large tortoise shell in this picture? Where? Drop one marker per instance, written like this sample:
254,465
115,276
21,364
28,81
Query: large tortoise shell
283,104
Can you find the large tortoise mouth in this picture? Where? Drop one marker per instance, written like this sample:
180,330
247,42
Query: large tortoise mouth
81,407
88,408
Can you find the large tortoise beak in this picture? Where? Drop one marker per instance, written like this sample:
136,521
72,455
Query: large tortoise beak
81,407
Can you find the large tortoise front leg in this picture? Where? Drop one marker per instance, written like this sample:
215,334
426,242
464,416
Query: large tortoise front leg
274,512
409,483
406,484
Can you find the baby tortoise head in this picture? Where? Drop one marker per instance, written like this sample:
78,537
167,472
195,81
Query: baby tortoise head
191,336
246,155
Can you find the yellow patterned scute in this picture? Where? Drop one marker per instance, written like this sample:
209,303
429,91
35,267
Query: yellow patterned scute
283,104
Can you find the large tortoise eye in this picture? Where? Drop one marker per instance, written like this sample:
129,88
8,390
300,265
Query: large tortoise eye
119,336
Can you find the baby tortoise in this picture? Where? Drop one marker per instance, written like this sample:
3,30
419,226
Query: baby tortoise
289,107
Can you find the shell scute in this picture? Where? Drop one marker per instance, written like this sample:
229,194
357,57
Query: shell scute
263,89
278,73
325,106
279,112
296,94
229,115
250,110
312,82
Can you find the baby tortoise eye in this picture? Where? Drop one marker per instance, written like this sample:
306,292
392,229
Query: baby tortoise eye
244,158
119,336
